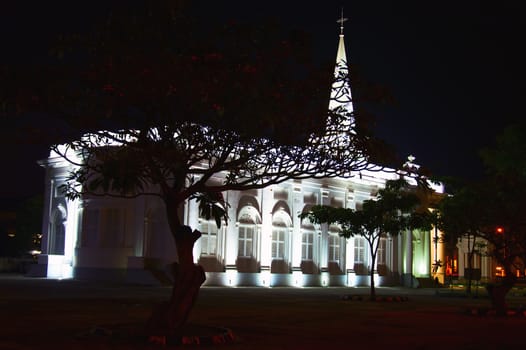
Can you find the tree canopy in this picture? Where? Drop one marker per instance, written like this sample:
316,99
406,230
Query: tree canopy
153,103
492,208
396,208
159,100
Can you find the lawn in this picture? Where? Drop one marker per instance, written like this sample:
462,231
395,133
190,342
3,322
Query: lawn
48,314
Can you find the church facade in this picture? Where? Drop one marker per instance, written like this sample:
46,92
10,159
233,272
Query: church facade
265,243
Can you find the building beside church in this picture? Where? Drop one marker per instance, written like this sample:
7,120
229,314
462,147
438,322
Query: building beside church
265,243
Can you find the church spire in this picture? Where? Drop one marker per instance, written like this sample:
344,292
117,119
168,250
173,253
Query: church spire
341,98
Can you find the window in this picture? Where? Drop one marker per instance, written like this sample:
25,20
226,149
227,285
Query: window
58,190
208,230
334,244
307,244
246,240
57,232
248,218
334,247
308,239
359,250
279,235
380,255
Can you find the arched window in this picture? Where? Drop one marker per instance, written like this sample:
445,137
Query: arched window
310,239
381,257
280,235
279,239
209,230
359,250
247,231
57,232
307,241
246,239
334,244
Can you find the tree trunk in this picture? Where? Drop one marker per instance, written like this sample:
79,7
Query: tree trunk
371,272
188,278
373,290
471,253
497,294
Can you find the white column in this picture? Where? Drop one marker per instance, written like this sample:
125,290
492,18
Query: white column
408,259
231,233
389,253
324,248
297,207
349,246
427,241
267,202
140,225
48,196
70,242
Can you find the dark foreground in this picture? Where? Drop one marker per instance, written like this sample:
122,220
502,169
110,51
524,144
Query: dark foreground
49,314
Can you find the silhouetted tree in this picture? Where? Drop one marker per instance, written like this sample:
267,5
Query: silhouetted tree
396,208
461,216
496,201
152,103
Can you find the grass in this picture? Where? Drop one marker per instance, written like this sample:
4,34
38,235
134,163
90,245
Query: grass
47,314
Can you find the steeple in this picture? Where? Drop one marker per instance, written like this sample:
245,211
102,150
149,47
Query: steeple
340,126
341,97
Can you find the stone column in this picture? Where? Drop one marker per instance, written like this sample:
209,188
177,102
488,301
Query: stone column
297,207
231,232
324,248
407,276
265,247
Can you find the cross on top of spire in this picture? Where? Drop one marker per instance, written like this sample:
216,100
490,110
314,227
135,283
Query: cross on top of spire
341,20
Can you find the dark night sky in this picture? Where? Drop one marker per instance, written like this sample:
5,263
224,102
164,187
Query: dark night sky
454,67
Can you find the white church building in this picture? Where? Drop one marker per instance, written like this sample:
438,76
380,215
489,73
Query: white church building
265,243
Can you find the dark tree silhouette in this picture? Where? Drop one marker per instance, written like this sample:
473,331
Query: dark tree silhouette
497,200
156,105
396,208
461,216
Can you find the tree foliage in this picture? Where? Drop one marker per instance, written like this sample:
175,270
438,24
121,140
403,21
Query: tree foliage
396,208
151,93
159,106
152,102
464,214
504,189
477,209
